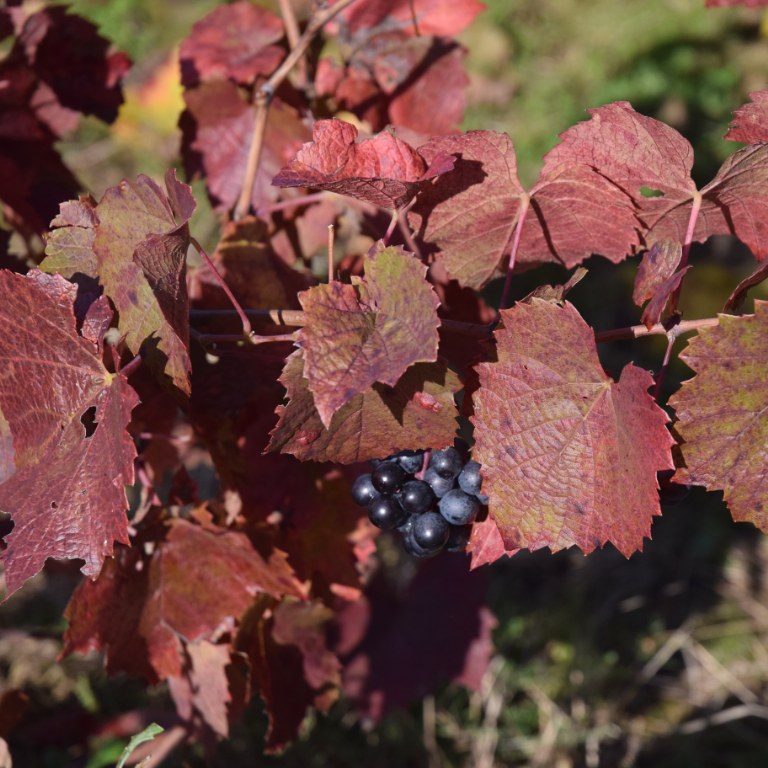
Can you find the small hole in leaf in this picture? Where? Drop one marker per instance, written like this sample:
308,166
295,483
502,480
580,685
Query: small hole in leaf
650,192
54,505
88,420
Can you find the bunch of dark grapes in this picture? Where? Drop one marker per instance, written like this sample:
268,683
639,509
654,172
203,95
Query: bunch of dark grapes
433,513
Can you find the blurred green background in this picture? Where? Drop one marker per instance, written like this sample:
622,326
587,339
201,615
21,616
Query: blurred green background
658,661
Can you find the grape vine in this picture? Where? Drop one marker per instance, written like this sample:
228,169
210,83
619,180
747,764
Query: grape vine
125,348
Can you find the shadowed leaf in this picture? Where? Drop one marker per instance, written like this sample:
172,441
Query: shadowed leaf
470,215
140,614
419,412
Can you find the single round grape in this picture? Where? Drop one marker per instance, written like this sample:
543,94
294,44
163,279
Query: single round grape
470,479
416,496
414,549
458,538
430,531
439,485
386,513
410,461
447,463
388,477
459,508
363,490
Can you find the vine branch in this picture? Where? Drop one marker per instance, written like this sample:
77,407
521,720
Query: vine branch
295,318
263,99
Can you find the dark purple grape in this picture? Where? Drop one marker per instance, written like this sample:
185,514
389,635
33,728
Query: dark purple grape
459,508
388,477
447,463
414,549
410,461
386,513
470,479
439,485
458,538
416,496
430,531
363,490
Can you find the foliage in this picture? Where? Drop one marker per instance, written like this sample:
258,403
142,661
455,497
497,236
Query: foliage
237,564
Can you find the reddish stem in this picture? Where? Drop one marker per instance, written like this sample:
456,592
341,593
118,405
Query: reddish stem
252,338
293,202
263,99
130,366
695,208
637,331
391,228
524,205
671,338
295,318
247,331
293,33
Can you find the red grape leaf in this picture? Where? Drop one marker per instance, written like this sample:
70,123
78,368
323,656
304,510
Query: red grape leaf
33,178
398,644
569,456
70,56
733,203
321,529
415,17
254,273
141,607
69,245
67,417
325,534
383,170
486,545
373,330
469,215
654,312
291,665
657,265
418,412
736,299
234,41
139,256
303,625
722,411
750,122
204,689
638,153
463,304
216,135
7,467
417,83
630,149
745,3
57,67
